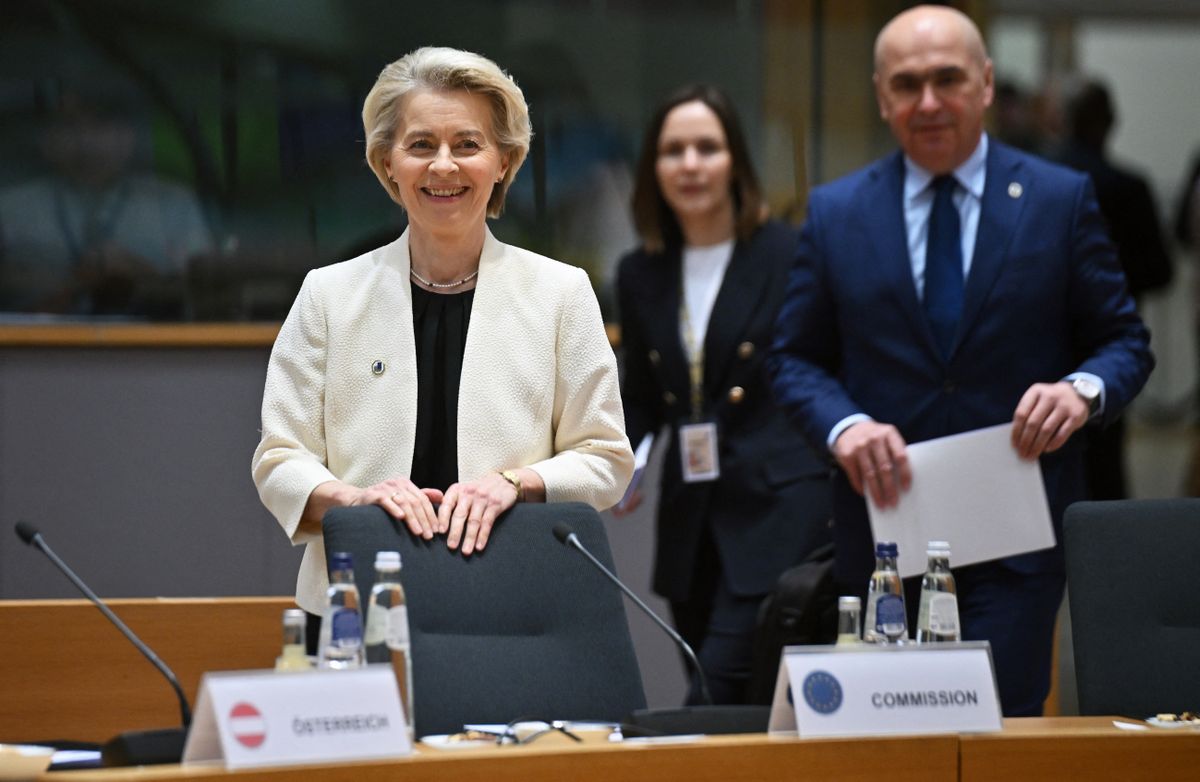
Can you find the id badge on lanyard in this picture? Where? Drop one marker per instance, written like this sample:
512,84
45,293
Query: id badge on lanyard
698,447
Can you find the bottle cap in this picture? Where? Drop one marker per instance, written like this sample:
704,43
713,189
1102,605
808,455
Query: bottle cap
849,601
341,560
293,615
387,560
938,547
886,549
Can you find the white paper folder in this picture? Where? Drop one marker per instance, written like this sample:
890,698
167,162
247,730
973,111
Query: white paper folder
972,490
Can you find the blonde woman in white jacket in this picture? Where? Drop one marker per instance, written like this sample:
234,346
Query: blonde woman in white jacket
445,368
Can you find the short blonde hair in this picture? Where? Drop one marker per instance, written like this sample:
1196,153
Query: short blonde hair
442,68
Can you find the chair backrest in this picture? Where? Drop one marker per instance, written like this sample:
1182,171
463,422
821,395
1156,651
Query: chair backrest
524,629
1135,604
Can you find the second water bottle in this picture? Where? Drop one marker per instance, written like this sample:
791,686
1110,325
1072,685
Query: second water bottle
937,619
387,626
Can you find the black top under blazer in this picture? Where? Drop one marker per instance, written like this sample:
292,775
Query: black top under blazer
771,504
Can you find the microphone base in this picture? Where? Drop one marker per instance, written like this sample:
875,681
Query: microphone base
144,748
710,720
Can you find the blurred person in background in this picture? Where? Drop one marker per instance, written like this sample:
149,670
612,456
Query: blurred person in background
1127,204
98,235
1187,233
1015,118
444,368
743,497
1187,215
1125,198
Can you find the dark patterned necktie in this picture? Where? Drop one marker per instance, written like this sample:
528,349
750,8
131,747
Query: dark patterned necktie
944,265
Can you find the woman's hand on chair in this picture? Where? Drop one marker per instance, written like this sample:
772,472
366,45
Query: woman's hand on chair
405,502
470,509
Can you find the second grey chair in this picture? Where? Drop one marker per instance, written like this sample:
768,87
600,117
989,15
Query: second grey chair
1134,589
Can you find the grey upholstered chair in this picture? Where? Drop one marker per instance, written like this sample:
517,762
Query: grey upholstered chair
524,629
1135,604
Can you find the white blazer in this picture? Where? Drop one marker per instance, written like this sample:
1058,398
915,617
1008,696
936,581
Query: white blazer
538,388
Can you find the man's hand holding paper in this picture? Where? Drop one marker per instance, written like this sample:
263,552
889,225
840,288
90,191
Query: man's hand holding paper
874,458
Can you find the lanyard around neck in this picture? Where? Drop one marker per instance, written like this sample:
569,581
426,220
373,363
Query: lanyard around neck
695,354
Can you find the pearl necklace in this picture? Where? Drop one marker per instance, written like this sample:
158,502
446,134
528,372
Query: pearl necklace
429,284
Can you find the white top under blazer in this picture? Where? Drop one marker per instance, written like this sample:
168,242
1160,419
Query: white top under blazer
538,388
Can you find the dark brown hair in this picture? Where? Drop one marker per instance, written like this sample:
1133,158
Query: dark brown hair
656,222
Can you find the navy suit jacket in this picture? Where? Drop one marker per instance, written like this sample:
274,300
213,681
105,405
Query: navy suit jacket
771,505
1045,297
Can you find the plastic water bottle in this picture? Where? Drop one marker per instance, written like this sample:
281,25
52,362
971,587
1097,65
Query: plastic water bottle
886,622
341,627
937,618
387,627
293,657
849,613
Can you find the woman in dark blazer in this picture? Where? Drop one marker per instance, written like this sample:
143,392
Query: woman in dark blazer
743,497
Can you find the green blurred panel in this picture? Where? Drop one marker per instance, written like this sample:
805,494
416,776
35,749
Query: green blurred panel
172,157
258,144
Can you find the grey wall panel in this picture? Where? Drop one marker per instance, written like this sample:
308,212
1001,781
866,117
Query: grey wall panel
135,465
632,538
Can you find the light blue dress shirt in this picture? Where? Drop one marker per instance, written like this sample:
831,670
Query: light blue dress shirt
918,203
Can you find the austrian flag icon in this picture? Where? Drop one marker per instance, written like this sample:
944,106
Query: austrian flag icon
247,726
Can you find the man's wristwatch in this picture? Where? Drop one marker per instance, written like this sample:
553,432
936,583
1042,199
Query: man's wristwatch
1089,391
514,479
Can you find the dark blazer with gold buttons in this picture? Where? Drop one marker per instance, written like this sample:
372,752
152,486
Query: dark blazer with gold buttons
770,506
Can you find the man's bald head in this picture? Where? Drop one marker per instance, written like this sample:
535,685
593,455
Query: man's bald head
933,81
923,19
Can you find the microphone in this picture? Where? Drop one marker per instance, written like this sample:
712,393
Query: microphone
134,747
566,536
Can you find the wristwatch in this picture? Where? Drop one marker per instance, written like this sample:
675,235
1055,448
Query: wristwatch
514,479
1089,391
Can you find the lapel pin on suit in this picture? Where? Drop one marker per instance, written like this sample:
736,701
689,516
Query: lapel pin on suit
378,367
1015,190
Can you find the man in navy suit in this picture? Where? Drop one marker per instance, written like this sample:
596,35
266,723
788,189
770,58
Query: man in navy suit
953,285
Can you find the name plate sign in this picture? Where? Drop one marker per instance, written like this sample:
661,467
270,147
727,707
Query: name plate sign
263,718
872,690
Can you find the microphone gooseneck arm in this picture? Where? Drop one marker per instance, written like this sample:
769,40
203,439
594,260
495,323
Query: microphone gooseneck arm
567,537
34,538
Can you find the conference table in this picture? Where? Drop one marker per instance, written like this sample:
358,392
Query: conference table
89,685
1030,750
